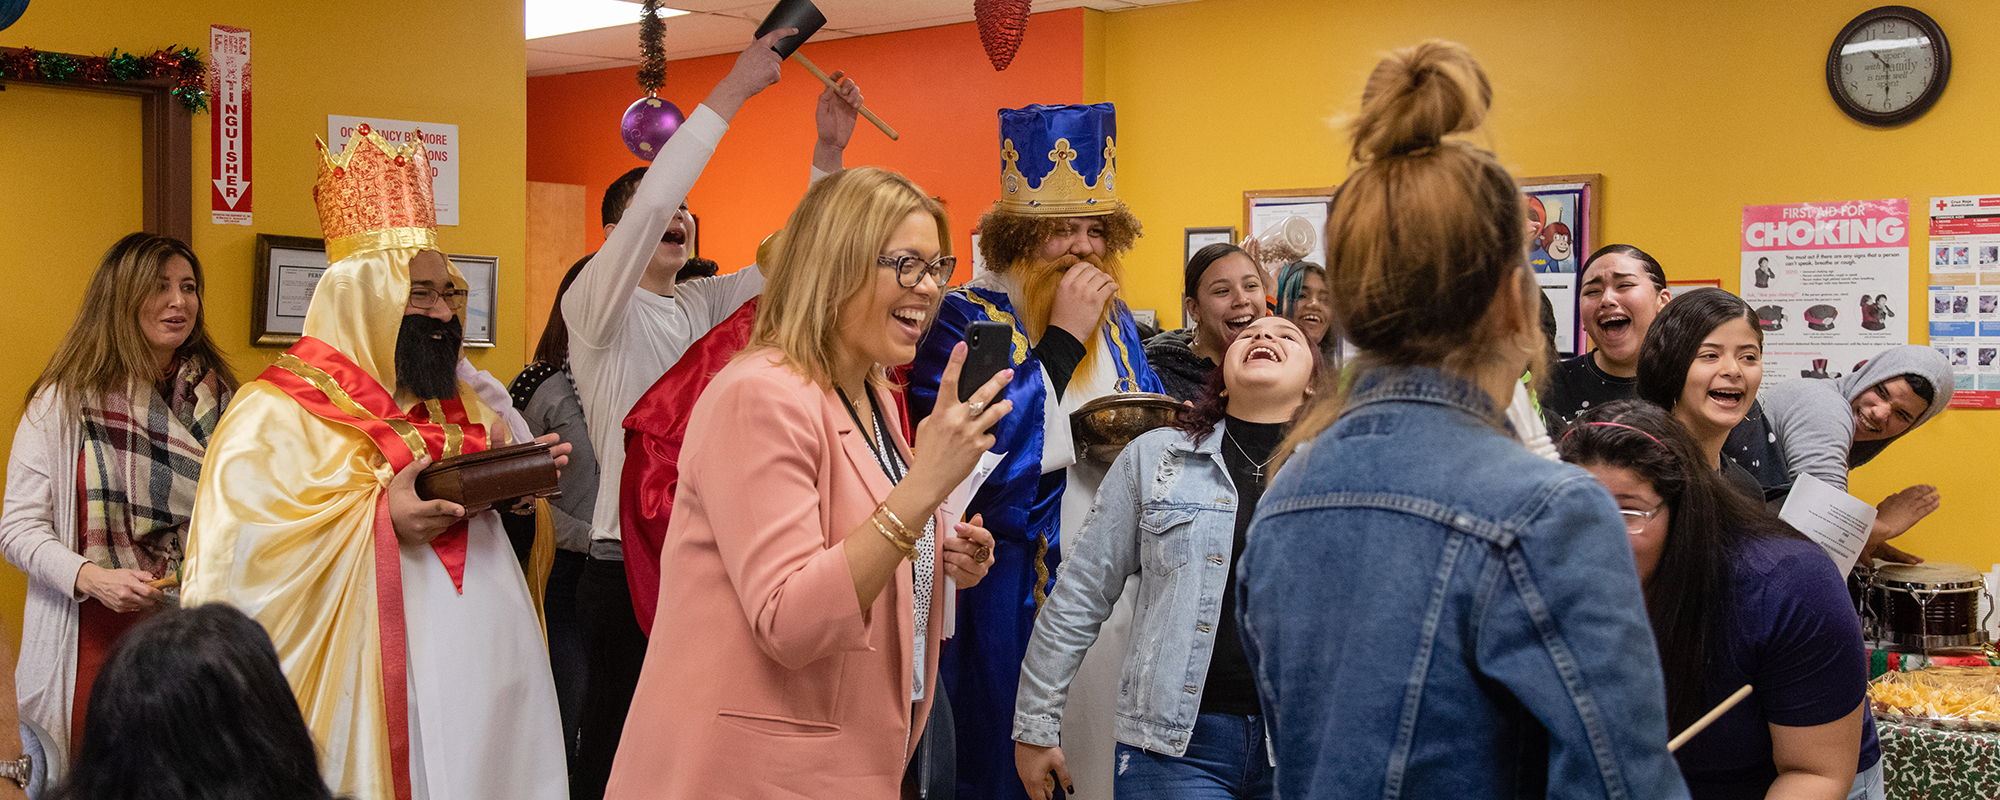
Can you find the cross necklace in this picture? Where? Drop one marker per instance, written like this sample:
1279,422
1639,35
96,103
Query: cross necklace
1256,468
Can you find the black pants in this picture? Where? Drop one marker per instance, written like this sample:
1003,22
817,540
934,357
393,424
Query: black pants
614,652
933,771
566,654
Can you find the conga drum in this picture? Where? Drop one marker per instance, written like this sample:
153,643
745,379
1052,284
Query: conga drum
1925,607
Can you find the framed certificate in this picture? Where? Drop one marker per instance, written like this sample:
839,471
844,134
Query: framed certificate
288,270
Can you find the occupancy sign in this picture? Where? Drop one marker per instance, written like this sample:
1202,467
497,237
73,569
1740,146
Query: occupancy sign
229,125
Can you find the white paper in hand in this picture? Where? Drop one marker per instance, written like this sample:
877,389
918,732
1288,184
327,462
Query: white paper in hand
1839,522
954,510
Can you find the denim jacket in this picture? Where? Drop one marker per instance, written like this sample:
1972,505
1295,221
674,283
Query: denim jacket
1167,513
1432,611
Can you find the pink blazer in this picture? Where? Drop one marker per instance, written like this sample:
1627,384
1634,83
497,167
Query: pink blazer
763,679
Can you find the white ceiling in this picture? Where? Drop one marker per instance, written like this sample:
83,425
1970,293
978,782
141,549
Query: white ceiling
724,26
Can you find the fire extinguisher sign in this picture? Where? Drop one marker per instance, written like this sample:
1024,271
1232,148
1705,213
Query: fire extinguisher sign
229,125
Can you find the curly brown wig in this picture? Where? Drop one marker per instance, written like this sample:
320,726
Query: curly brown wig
1006,237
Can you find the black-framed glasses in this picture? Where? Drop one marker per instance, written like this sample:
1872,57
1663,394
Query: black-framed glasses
1635,521
422,297
910,270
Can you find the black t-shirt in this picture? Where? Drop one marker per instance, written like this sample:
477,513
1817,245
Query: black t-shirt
1577,385
1229,688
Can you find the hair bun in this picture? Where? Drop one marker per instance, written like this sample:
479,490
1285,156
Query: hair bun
1417,96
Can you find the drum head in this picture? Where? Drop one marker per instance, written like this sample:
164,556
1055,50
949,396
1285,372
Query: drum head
1931,576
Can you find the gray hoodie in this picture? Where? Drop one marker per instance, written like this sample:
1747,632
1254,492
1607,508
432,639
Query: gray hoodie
1814,422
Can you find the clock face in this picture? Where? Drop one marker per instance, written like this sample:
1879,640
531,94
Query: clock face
1887,65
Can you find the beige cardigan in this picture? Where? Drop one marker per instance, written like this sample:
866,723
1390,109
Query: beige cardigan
38,528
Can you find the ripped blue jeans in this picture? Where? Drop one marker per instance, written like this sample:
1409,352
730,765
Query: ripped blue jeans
1226,760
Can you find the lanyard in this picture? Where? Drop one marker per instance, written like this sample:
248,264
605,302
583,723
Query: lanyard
890,462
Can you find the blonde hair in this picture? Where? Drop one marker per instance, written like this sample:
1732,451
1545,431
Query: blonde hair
105,350
826,256
1427,230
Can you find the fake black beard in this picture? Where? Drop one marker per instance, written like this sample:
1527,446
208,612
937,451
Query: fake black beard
427,356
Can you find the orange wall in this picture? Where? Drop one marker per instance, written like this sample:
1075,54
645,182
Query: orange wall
933,85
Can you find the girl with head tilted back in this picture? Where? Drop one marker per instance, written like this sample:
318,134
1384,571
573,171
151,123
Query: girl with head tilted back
1737,596
1430,609
102,476
1174,511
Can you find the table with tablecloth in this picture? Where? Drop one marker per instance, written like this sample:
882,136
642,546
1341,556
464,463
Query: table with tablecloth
1923,763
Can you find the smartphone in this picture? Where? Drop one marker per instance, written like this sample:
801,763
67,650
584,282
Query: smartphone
988,350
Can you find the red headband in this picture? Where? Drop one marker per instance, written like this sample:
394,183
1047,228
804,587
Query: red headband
1619,425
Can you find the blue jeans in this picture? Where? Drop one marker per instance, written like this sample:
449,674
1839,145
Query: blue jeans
1226,760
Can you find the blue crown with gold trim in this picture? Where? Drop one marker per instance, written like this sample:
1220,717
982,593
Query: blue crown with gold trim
1059,161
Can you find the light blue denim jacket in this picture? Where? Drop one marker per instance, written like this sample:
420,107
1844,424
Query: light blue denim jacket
1432,611
1166,512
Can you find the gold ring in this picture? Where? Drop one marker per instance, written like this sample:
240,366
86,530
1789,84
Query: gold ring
979,556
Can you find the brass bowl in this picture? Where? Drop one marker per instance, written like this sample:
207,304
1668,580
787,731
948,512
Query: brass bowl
1102,427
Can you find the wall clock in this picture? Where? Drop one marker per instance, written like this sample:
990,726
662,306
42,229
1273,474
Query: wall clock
1888,66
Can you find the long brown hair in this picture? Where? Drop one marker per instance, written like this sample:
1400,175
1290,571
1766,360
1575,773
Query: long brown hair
105,351
1426,232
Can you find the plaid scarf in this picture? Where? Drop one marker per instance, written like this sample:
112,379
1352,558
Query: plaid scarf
141,456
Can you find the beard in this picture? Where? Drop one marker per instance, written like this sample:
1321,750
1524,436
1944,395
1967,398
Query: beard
1039,281
427,356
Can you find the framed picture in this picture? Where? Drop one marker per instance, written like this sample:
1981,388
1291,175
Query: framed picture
1295,218
1198,238
1564,228
288,271
481,275
1681,286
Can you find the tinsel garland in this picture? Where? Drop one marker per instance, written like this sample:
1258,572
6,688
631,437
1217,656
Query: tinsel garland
183,65
652,48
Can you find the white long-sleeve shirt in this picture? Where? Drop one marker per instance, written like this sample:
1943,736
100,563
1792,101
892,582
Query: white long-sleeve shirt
622,338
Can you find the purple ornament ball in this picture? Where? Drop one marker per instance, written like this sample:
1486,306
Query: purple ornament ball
649,122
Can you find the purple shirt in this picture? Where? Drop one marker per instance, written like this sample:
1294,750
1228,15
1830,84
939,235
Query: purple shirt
1794,635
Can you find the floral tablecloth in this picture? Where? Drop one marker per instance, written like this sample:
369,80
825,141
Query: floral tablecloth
1930,764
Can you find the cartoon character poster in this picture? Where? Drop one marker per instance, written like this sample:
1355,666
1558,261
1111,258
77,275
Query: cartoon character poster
1561,234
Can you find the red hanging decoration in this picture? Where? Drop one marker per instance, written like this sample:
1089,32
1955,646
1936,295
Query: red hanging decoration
1001,25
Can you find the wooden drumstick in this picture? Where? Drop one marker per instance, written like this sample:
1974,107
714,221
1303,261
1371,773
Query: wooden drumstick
168,582
1709,717
817,73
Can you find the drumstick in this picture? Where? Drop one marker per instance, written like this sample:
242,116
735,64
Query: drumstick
1708,718
808,64
168,582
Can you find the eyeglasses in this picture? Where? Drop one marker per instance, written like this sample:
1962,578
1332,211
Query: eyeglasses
422,297
1635,521
910,270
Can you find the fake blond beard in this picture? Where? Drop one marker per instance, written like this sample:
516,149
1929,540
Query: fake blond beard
1039,281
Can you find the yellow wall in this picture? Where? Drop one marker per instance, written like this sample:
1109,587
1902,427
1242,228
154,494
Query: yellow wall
456,63
1689,110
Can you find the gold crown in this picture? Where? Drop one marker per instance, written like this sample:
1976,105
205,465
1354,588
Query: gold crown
374,196
1063,192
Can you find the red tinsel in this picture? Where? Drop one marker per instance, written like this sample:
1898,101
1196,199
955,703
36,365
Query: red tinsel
1001,25
183,65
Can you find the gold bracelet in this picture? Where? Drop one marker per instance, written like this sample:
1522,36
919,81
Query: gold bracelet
908,550
883,508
